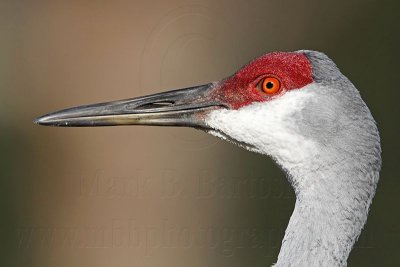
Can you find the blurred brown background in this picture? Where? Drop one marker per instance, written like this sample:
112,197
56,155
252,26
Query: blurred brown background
143,196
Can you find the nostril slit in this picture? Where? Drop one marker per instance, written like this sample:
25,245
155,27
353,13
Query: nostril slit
160,104
164,103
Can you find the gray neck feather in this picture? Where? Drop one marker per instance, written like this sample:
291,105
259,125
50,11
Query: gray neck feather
328,219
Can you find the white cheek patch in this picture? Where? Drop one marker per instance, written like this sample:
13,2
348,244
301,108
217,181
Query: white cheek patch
269,127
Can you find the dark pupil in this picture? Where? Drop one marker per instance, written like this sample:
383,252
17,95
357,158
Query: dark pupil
270,85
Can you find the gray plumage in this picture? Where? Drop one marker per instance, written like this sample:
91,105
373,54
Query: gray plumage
327,141
347,170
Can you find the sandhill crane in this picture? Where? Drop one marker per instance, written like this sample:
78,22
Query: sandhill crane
297,108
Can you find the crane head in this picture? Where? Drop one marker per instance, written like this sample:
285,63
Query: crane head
296,107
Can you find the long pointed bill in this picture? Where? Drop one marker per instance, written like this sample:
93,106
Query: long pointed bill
184,107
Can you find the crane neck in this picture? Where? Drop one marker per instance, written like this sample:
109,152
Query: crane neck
328,217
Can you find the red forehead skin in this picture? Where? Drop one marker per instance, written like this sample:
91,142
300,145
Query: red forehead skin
292,68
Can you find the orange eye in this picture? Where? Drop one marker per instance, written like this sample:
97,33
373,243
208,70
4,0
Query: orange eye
270,85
